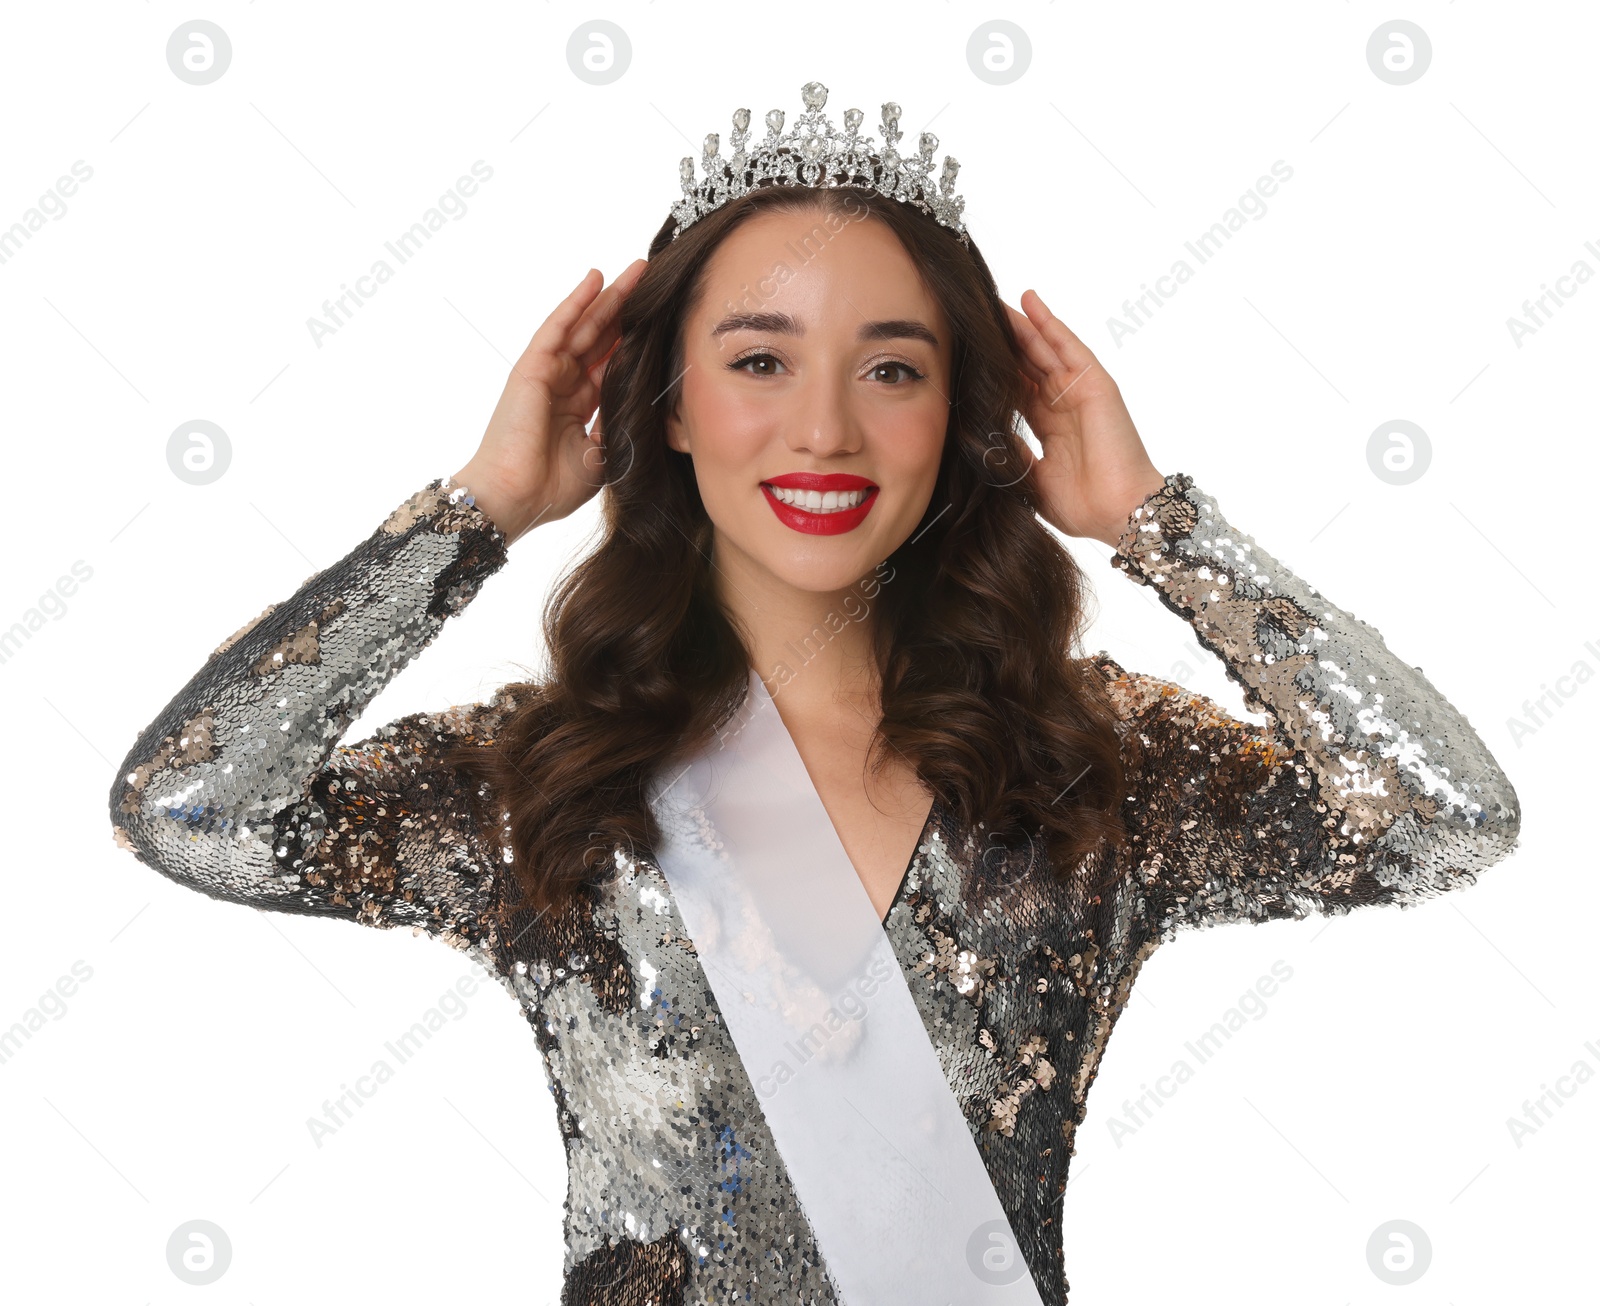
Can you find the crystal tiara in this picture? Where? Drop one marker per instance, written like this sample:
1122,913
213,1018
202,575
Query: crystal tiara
816,153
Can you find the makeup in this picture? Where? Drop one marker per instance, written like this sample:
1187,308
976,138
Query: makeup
820,503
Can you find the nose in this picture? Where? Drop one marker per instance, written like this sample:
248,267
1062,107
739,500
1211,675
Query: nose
822,423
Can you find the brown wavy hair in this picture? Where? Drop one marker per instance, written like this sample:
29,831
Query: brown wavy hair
973,627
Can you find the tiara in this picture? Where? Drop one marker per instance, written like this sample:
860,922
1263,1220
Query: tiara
816,153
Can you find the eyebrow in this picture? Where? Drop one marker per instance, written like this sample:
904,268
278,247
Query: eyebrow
895,328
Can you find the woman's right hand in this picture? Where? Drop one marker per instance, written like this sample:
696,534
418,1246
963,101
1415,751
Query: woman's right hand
537,462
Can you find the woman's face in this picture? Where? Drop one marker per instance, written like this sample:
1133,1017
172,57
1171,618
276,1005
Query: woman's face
817,370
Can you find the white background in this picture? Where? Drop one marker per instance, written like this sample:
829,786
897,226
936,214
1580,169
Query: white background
1378,284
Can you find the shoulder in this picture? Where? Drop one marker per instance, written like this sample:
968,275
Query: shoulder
423,741
1161,720
1135,696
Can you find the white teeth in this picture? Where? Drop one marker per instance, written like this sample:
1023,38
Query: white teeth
817,501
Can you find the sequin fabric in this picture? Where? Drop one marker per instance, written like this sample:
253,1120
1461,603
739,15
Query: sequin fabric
1365,787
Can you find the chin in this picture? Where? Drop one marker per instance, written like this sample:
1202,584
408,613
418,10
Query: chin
816,564
818,568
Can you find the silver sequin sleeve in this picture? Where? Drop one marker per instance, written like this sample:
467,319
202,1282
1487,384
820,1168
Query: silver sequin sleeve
239,787
1365,787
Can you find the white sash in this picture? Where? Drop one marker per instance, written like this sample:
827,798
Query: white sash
882,1160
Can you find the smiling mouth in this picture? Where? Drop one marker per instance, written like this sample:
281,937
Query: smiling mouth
820,501
814,503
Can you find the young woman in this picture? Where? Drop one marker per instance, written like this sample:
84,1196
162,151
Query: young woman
821,525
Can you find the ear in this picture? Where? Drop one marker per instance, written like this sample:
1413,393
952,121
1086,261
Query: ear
677,437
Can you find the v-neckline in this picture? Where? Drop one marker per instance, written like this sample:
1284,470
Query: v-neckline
905,875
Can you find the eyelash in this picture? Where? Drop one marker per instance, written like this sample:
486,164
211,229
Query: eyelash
912,372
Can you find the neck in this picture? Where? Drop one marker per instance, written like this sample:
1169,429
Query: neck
812,648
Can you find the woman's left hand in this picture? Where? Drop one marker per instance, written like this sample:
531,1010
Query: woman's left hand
1095,470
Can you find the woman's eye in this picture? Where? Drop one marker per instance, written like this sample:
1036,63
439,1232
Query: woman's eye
899,371
910,371
753,358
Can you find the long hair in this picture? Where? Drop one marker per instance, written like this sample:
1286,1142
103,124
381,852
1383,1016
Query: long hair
974,618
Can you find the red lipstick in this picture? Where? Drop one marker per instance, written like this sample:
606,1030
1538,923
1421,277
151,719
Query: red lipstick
820,523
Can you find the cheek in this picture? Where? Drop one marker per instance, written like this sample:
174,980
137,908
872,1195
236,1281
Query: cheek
726,434
911,445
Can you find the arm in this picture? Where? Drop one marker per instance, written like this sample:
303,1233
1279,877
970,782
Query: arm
1365,787
239,787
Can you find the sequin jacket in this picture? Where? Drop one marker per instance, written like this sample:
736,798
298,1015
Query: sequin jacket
1365,787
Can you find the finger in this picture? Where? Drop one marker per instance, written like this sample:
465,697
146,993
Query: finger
597,330
1074,354
1035,347
554,329
1029,368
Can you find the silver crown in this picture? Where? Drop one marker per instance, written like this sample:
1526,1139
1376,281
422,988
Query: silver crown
816,153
